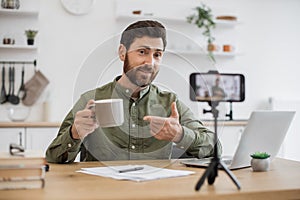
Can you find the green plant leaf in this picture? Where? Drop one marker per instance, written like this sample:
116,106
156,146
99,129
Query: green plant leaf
203,19
260,155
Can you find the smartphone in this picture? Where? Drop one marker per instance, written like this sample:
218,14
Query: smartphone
214,86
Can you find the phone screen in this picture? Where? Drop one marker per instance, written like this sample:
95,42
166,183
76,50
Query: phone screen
217,87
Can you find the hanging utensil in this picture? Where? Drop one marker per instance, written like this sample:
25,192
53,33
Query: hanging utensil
22,90
12,98
9,83
3,97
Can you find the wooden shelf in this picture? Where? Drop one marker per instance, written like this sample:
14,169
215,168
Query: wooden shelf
19,12
129,16
20,47
195,52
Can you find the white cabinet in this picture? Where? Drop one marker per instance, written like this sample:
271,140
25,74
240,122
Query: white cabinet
30,138
11,135
229,137
40,138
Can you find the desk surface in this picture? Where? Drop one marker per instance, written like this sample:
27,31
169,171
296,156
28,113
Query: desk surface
63,182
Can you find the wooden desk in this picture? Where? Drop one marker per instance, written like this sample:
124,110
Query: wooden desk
62,182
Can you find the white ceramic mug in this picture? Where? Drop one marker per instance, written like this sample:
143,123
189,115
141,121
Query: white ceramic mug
109,112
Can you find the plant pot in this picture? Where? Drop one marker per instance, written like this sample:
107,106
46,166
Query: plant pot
260,165
30,41
212,47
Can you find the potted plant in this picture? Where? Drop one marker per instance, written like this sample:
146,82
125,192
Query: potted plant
203,18
260,161
30,34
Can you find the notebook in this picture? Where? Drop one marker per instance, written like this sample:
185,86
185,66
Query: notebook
264,132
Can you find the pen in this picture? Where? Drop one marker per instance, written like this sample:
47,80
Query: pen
131,169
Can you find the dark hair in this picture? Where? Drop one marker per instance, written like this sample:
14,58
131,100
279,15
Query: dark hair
139,29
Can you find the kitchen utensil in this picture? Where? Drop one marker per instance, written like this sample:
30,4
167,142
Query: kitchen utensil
12,98
9,83
22,91
3,97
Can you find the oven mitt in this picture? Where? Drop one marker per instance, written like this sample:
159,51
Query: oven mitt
34,88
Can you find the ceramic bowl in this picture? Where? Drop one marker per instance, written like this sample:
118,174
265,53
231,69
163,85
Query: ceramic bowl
18,113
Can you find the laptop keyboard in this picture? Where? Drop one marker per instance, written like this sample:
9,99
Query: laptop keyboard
227,162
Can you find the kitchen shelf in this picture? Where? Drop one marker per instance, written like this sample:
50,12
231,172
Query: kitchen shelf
229,23
19,12
178,12
191,52
129,16
20,47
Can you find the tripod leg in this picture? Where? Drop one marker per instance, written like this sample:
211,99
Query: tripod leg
201,180
211,178
230,174
207,173
214,173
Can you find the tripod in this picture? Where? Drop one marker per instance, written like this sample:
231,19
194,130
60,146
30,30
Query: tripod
212,171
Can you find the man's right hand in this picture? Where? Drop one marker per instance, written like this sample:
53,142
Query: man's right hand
84,122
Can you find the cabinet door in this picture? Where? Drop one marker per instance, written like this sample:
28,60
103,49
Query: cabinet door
11,135
40,138
229,137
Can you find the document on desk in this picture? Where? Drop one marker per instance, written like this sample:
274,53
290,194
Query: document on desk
135,172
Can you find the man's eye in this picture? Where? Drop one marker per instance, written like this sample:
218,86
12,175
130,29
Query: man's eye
142,51
157,54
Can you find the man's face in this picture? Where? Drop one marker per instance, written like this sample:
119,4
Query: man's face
142,59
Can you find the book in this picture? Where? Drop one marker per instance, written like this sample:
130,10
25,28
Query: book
25,170
26,158
15,173
22,184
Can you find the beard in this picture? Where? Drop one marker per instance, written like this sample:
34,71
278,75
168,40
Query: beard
140,76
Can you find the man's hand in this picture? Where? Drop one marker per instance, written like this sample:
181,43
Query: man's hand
166,128
84,122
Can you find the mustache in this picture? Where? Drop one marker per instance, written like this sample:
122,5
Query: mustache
146,68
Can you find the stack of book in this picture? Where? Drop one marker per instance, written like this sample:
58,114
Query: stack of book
24,171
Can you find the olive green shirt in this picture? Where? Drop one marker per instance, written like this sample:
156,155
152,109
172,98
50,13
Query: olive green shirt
132,140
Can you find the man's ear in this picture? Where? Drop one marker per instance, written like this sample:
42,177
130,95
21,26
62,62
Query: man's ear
122,52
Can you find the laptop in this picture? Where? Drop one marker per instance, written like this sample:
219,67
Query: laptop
264,132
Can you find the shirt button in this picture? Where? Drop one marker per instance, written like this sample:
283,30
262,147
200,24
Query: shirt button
133,104
127,91
69,145
182,147
133,125
132,147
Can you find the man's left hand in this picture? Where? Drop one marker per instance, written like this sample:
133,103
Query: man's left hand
163,128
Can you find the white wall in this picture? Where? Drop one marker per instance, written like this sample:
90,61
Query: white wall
268,38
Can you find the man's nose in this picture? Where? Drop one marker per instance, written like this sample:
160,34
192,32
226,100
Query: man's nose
149,60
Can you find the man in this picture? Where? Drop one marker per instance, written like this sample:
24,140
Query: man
154,119
217,92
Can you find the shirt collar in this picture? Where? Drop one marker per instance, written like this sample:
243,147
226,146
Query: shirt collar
127,92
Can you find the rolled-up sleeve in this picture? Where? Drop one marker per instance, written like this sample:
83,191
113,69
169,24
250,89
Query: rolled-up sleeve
197,139
63,148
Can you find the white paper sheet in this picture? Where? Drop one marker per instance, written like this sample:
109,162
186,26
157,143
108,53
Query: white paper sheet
146,174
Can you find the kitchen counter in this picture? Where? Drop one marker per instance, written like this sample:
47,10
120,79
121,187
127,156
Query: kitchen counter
57,124
28,124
